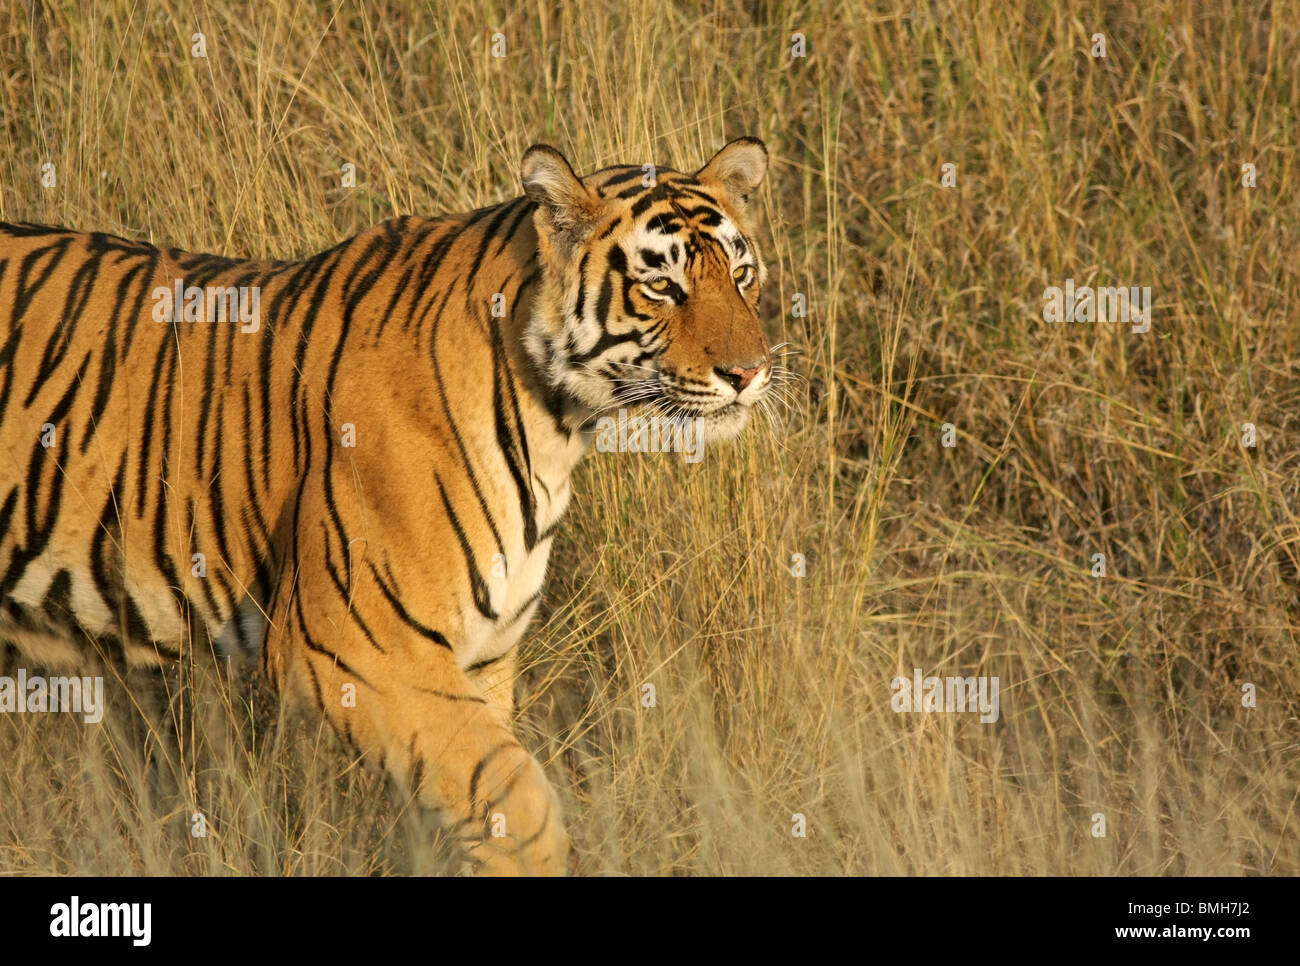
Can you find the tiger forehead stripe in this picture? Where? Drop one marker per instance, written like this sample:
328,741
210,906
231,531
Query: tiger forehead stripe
660,192
630,174
610,178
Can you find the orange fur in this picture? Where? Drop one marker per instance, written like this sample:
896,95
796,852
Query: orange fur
364,485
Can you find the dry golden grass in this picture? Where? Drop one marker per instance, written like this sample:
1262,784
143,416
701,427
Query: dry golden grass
1119,695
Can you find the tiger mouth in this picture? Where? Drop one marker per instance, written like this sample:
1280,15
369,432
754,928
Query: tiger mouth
667,405
715,419
717,422
725,422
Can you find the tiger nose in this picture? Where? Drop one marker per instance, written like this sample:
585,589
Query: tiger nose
741,376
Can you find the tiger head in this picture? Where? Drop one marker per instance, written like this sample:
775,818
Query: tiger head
649,286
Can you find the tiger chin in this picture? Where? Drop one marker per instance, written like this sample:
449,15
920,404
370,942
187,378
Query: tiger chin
361,484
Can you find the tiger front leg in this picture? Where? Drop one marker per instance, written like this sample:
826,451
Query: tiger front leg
413,708
495,680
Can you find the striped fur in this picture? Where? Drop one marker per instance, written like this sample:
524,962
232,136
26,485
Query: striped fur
363,487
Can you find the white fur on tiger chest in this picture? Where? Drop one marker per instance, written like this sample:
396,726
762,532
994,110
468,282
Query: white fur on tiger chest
514,586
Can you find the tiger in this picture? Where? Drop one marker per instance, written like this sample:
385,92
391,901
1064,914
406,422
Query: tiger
358,477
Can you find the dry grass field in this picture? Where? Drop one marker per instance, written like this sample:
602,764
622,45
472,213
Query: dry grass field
1123,695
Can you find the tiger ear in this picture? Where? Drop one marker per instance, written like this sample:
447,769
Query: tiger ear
549,180
739,168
